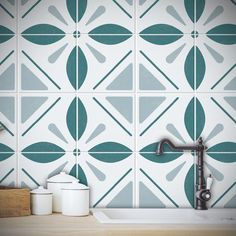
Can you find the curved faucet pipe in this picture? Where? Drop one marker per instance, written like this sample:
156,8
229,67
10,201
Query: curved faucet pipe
160,146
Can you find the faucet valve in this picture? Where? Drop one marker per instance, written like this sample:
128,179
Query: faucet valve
209,182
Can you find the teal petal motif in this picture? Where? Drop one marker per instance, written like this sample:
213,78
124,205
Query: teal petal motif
164,158
200,121
71,119
189,186
5,152
4,30
223,147
200,67
161,29
224,34
82,119
189,118
72,6
82,5
110,34
189,67
82,67
151,34
223,157
43,34
71,68
81,175
200,5
189,7
43,147
76,107
149,152
110,152
43,152
5,34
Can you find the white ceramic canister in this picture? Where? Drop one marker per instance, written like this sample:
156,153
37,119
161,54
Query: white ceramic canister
75,199
41,201
55,184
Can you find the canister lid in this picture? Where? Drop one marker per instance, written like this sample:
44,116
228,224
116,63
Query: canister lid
40,190
75,185
61,178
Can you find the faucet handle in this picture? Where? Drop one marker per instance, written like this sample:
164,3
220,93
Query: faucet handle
209,182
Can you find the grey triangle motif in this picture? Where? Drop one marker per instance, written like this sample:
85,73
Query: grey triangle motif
124,105
147,81
29,81
7,78
124,81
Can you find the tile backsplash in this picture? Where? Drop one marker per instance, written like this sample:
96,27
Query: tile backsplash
90,87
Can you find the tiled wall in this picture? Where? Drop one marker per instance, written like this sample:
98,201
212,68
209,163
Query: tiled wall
90,87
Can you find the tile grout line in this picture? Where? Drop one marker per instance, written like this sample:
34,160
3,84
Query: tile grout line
135,79
76,76
17,106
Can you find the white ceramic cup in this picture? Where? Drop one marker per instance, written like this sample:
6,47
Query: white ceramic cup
41,201
75,200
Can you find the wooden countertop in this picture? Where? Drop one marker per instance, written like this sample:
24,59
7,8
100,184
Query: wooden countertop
57,225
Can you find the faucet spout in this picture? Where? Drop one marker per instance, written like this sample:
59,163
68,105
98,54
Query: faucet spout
202,193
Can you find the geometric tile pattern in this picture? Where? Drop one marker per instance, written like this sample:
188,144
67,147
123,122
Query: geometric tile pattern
90,88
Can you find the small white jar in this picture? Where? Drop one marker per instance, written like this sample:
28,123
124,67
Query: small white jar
55,184
75,200
41,201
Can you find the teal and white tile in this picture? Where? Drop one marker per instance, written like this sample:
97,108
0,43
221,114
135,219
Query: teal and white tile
216,17
110,177
8,121
8,167
215,116
222,170
49,164
215,64
165,63
47,63
105,123
8,65
165,115
47,123
8,17
99,70
47,17
158,176
165,17
106,17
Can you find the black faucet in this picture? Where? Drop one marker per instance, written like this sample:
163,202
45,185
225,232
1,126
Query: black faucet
202,192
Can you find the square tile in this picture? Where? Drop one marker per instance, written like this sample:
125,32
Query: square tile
215,121
47,122
8,169
158,176
169,115
47,63
224,178
165,64
98,115
8,17
49,164
99,70
106,17
215,64
47,17
216,17
110,177
8,65
165,17
8,121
